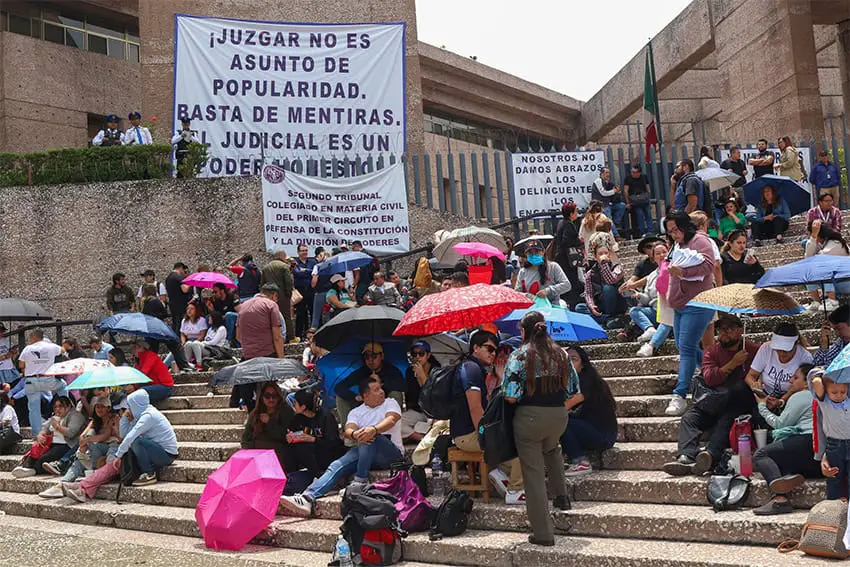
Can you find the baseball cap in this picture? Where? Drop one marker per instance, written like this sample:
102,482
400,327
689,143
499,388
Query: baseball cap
337,278
421,344
270,287
781,342
373,347
729,321
101,401
120,403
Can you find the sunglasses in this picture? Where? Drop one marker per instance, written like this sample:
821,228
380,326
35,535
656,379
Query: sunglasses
373,354
270,396
490,348
419,353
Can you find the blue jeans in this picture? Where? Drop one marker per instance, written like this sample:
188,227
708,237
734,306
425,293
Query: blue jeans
611,303
318,306
158,392
842,288
838,455
230,324
580,436
689,324
660,335
643,213
643,317
150,456
34,386
615,213
379,454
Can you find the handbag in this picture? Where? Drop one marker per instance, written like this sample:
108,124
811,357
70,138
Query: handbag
496,431
296,297
8,438
711,400
727,492
823,532
37,449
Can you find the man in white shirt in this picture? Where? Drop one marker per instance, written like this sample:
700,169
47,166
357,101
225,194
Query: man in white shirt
137,134
375,427
109,136
34,361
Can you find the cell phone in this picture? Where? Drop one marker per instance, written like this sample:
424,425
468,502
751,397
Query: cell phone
760,393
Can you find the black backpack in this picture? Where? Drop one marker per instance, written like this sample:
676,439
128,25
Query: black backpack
439,392
452,515
370,525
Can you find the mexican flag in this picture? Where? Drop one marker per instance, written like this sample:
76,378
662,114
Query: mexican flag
650,104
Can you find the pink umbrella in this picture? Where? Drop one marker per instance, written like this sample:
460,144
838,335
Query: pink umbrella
208,279
478,250
240,499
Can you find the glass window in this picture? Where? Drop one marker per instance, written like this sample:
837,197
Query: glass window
4,21
133,52
116,48
72,21
19,24
134,37
97,44
54,33
36,28
75,38
104,27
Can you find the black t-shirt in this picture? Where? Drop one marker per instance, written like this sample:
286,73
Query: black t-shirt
225,305
411,396
636,186
155,308
738,271
760,170
177,299
644,268
737,167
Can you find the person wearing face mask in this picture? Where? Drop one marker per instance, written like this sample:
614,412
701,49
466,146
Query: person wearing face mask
541,278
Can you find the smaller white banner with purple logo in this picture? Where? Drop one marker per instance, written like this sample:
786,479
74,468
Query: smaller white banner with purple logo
316,211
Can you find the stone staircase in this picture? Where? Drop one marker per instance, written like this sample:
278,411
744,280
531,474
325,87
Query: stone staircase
627,512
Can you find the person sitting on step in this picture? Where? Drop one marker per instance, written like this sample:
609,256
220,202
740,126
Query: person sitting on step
721,395
267,423
415,424
644,314
823,240
375,429
788,459
314,442
147,434
593,421
776,363
58,435
603,277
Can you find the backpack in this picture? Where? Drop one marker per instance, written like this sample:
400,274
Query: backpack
452,515
439,392
370,525
823,532
415,513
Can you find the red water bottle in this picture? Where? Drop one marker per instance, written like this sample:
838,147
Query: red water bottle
745,454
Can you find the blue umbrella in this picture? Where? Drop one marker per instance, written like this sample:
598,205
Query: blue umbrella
821,269
563,325
344,262
799,200
345,359
137,324
839,370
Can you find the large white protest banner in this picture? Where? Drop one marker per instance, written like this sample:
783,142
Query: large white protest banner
543,182
315,211
257,91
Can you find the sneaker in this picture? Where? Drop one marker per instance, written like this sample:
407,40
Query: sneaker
676,407
704,463
499,479
646,351
832,305
682,466
787,483
73,490
54,491
54,468
297,505
579,469
515,497
774,508
562,503
145,479
647,335
22,472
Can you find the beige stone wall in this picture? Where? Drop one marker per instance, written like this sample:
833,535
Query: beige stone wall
156,24
48,89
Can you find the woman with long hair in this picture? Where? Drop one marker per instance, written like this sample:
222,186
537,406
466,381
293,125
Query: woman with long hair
733,219
739,264
771,217
499,275
588,223
789,159
694,249
539,379
593,424
268,422
823,239
214,341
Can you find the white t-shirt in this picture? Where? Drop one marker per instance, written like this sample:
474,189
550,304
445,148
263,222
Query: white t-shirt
39,356
364,416
8,414
775,376
5,345
193,330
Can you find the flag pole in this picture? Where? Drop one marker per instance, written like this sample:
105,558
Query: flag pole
655,94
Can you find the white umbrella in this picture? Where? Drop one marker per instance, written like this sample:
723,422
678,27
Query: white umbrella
717,178
76,366
543,239
445,253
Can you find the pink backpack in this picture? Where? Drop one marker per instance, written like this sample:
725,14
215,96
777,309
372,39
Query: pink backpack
415,513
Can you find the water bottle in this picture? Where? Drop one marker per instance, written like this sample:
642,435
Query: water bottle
343,554
437,489
745,453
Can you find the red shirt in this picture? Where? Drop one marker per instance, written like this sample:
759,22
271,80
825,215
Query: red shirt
152,366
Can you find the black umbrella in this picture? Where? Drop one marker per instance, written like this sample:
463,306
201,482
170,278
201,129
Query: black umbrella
257,370
370,322
14,309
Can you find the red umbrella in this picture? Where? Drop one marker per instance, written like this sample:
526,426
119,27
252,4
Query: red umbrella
460,308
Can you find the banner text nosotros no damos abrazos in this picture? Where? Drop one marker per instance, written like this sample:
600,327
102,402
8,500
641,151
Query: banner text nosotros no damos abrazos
315,211
543,182
265,91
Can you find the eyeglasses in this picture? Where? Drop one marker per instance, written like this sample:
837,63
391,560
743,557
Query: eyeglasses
373,355
418,353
